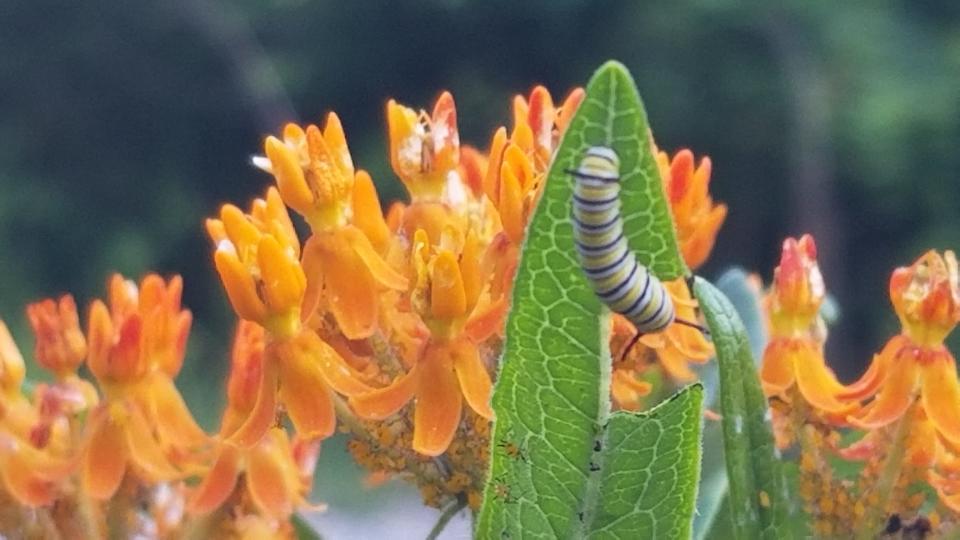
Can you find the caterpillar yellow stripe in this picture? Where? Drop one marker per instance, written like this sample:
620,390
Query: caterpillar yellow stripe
619,280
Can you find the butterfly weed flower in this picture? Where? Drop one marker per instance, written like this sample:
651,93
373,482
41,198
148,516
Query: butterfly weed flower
342,259
269,479
142,425
257,258
696,217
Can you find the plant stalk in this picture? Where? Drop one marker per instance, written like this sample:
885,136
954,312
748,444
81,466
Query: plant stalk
889,474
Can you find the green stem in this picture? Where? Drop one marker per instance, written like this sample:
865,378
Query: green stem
889,474
456,506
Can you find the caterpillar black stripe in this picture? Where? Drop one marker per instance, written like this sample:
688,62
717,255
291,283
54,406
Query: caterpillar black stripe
619,280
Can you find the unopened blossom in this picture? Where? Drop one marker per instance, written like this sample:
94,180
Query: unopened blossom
793,357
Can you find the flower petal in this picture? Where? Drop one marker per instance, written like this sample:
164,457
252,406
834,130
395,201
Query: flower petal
271,475
20,481
897,393
321,358
941,396
448,299
104,460
776,371
384,402
239,285
264,412
145,450
170,414
473,377
816,382
367,213
350,289
869,383
378,268
289,174
218,483
306,397
439,404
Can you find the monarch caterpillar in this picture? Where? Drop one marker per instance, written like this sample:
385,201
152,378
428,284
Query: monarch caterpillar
619,280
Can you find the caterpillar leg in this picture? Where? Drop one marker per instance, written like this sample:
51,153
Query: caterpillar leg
699,327
633,341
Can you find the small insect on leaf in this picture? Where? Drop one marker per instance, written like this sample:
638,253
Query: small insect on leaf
512,450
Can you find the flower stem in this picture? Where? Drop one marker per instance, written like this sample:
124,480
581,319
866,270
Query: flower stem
456,506
889,474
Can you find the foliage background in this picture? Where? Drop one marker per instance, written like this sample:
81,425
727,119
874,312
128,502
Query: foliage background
124,124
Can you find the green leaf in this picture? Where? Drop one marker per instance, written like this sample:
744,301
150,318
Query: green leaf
713,480
758,498
552,394
649,471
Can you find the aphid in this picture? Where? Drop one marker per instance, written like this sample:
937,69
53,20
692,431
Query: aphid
622,283
594,467
512,450
501,490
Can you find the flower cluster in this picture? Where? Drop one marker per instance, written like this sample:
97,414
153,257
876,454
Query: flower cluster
115,459
386,326
907,403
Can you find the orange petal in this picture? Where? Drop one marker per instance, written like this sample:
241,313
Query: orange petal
816,382
282,277
941,396
104,460
272,478
675,364
474,379
322,360
491,181
145,450
570,106
869,383
384,402
897,393
439,404
776,371
336,141
486,320
511,203
239,284
313,265
350,289
239,229
306,397
367,213
20,481
448,300
218,483
264,412
289,174
174,422
379,269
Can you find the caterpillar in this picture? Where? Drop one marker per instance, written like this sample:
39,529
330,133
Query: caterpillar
615,275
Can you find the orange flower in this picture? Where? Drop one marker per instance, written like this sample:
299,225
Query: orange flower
61,346
136,347
257,257
342,261
31,475
270,468
518,165
424,149
695,216
794,354
916,363
449,368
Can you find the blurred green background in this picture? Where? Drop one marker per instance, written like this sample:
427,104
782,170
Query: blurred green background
125,124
